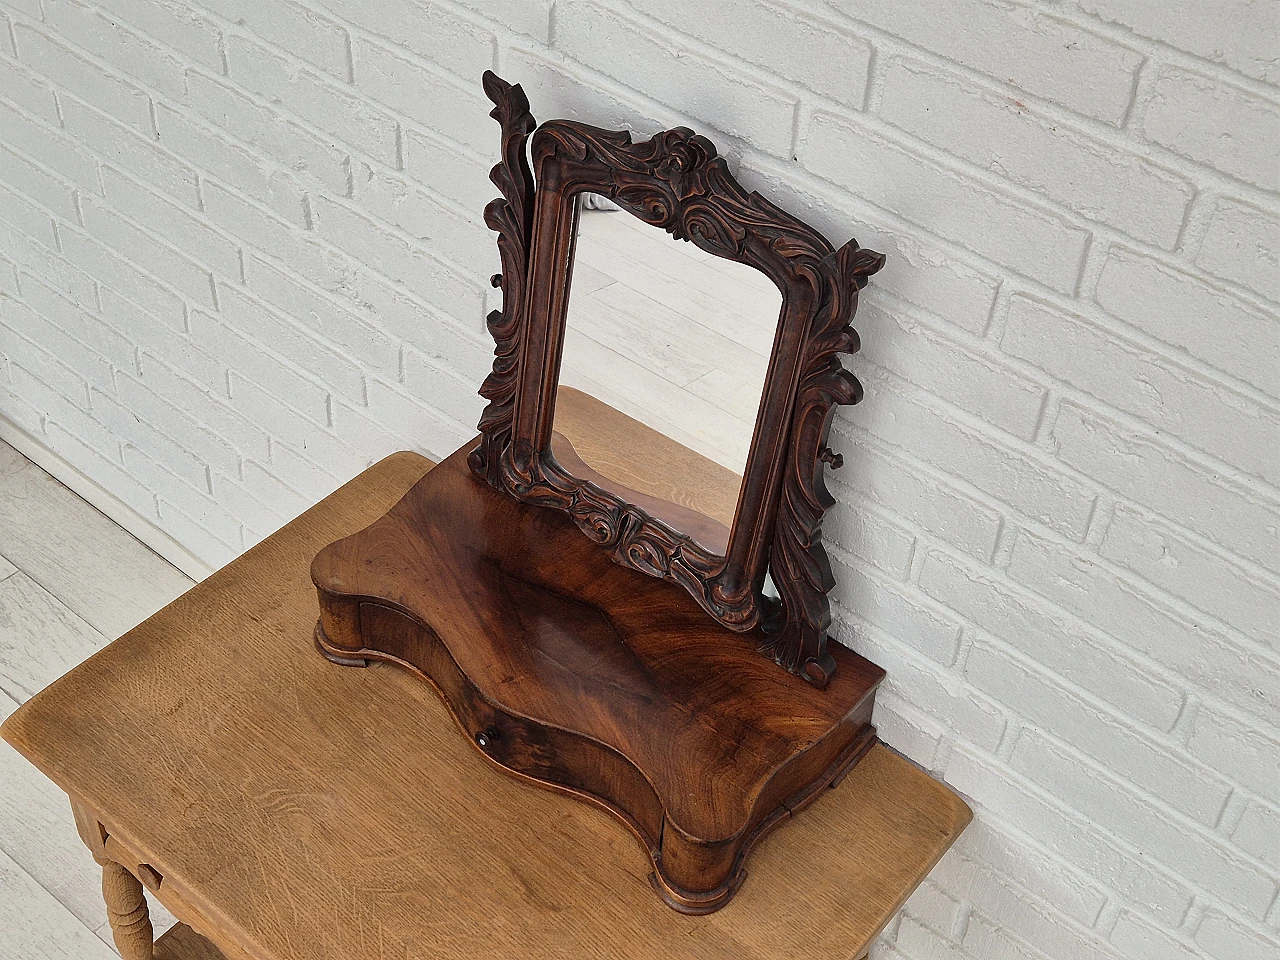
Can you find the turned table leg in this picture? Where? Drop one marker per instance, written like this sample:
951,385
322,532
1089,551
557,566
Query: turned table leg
127,911
126,902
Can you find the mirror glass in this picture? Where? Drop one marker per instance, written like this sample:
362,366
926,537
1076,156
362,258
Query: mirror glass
676,338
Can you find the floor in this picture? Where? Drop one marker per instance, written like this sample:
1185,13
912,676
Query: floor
70,582
673,336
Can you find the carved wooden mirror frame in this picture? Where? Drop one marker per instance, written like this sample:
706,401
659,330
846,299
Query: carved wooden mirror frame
675,181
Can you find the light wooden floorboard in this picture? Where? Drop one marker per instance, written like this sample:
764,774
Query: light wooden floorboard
75,553
40,638
69,579
35,926
669,334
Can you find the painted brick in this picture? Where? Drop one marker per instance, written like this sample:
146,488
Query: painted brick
437,436
557,85
1136,464
1116,806
907,419
80,332
814,53
441,388
23,88
1258,833
314,481
153,256
1204,578
268,132
106,267
292,296
124,49
1241,34
928,278
259,519
1139,939
927,500
937,691
672,71
462,237
448,168
136,432
311,36
1083,657
29,254
1191,788
1019,915
532,17
1210,122
32,341
1133,379
313,97
432,31
191,530
213,335
181,228
1241,750
208,407
213,152
49,147
414,92
354,426
174,24
1037,53
163,338
1247,678
86,80
975,383
895,607
1006,136
1136,877
157,411
906,729
1172,306
1243,245
1226,939
401,261
1003,852
331,367
8,278
876,539
131,152
1023,237
32,220
294,428
30,7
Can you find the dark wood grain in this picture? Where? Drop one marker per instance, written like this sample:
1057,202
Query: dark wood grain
569,669
675,181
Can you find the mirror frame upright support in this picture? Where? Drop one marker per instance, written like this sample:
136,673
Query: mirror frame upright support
675,181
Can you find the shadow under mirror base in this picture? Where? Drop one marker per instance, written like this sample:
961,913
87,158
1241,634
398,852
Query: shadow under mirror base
569,670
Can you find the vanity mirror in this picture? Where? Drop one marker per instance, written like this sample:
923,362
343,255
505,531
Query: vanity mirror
585,583
675,182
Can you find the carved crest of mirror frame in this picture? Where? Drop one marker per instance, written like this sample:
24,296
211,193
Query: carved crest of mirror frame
675,181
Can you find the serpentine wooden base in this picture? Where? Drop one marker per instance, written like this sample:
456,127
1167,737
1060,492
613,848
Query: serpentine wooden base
570,670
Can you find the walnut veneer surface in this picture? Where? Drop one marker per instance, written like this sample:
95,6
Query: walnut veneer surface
298,811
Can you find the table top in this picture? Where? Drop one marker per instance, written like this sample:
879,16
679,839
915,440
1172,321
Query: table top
312,811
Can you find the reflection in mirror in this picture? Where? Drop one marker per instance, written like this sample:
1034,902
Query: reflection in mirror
676,338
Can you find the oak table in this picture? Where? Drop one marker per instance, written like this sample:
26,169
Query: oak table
288,809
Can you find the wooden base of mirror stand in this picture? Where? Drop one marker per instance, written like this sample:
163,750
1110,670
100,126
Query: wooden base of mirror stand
565,668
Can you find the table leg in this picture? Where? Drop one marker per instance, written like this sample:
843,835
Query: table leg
126,902
127,911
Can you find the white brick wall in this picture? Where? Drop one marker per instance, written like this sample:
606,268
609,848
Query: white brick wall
242,256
